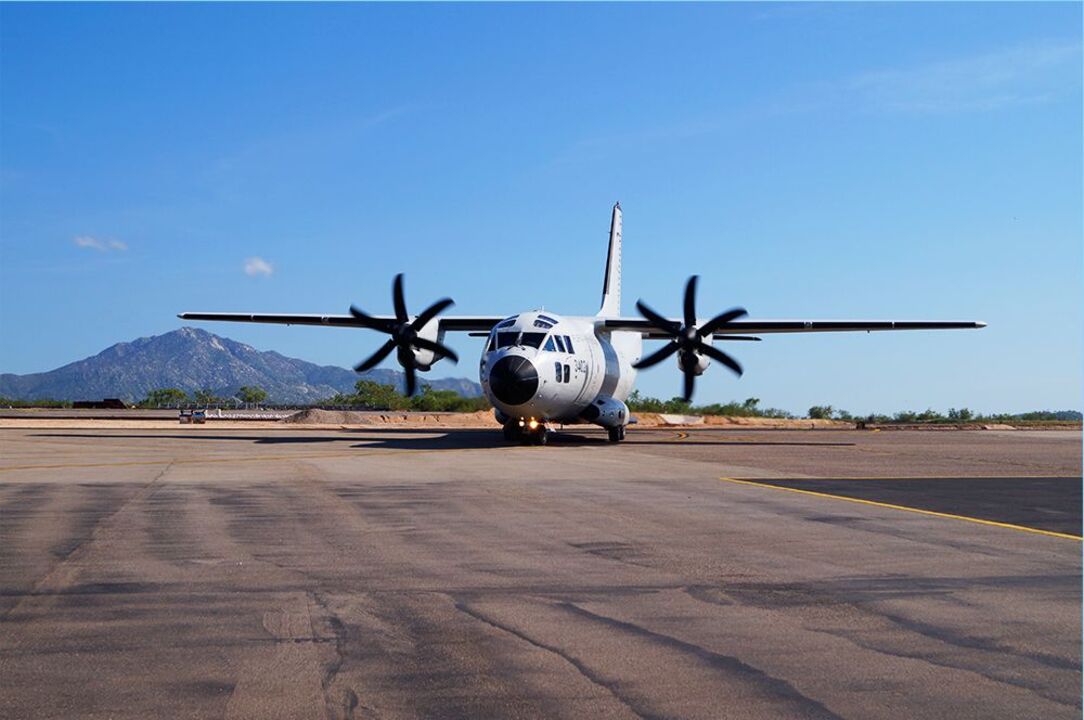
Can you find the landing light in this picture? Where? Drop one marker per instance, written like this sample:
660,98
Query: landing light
533,424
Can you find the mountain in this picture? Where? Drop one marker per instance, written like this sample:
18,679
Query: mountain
192,359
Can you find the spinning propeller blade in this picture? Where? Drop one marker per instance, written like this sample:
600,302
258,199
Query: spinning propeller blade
688,339
404,334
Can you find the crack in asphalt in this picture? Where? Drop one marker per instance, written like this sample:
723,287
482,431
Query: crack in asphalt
580,667
76,551
772,685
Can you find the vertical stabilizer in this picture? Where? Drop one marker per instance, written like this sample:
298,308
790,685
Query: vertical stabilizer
611,284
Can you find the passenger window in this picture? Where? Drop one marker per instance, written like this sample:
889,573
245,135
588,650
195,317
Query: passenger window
532,339
549,345
566,373
507,339
568,342
560,343
557,366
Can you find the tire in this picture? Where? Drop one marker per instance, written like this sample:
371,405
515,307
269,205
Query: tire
543,437
617,434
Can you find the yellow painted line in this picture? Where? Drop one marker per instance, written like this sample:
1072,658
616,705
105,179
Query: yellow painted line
682,435
1054,476
905,508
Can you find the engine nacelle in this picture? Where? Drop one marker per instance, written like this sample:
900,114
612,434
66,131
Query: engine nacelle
698,362
425,359
607,412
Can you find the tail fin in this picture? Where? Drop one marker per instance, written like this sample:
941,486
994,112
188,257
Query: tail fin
611,286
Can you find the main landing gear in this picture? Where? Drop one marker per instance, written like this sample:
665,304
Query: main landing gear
526,432
617,434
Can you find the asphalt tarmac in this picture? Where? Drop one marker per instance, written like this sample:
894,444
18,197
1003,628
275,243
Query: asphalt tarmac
205,572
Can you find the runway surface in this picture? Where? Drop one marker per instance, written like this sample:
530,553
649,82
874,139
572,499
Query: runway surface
206,572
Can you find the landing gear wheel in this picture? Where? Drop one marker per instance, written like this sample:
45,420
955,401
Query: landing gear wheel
543,436
617,434
512,431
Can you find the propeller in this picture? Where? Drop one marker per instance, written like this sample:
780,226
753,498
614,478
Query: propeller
688,339
404,334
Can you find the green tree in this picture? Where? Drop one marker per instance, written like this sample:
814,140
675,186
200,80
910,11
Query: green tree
251,395
41,402
749,408
821,412
640,403
373,395
205,397
165,397
677,406
961,415
430,400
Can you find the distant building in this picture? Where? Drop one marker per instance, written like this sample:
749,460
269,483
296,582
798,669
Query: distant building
106,404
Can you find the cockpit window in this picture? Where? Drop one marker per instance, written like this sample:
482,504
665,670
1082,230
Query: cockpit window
542,324
547,318
532,339
506,322
560,343
550,347
568,344
507,338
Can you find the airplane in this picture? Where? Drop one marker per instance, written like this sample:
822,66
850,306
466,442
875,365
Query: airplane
539,368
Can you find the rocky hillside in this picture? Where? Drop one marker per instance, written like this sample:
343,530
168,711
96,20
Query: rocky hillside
193,359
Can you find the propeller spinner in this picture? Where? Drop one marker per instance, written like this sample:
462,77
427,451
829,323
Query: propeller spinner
404,334
688,339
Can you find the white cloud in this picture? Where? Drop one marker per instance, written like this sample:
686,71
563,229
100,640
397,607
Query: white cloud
86,241
258,266
1020,75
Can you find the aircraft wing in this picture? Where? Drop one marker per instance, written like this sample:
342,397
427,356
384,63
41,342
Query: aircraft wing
743,329
453,323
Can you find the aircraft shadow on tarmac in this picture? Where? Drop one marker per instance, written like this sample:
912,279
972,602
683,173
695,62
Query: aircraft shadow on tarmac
391,439
438,439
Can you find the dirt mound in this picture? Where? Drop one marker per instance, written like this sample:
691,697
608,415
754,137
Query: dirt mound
790,423
659,419
316,416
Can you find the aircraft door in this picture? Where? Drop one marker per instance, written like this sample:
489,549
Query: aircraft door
590,363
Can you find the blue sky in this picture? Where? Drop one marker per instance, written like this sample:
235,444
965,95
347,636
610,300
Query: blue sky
890,161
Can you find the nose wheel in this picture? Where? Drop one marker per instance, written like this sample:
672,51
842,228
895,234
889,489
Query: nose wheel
526,433
617,434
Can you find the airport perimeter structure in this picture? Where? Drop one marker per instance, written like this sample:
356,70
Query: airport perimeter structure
296,572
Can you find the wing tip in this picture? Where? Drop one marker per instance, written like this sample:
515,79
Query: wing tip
979,324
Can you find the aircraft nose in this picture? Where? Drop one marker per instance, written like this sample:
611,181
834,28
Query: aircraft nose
513,380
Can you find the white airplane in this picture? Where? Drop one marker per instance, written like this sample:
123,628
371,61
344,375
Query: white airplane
539,368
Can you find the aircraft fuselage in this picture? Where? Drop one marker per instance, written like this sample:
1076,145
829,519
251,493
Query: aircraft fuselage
550,368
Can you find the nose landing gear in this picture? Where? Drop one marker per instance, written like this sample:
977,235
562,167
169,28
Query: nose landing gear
617,434
526,432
